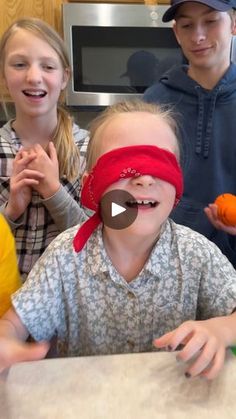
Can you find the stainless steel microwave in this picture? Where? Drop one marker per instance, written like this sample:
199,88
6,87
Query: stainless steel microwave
116,50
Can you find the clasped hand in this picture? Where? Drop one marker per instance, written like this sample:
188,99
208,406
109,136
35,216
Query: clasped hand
33,169
46,164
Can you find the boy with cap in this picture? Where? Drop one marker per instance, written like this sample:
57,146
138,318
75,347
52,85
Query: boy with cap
203,93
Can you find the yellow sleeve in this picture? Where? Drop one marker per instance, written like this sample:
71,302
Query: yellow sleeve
9,274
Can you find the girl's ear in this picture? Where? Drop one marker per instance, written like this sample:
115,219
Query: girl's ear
65,78
84,177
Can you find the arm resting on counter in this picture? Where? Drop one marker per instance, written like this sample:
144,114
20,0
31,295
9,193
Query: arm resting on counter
205,340
13,347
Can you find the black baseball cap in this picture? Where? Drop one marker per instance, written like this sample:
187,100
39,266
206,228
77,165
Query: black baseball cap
219,5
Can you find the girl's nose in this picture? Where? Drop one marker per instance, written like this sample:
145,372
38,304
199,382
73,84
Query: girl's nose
34,74
144,180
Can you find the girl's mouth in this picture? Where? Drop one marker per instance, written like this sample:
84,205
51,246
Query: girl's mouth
35,94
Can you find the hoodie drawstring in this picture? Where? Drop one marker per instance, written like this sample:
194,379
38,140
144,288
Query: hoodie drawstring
208,132
198,146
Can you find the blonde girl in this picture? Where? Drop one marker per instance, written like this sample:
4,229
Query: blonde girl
41,147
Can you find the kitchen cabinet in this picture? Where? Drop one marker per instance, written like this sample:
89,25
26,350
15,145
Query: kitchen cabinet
48,10
148,2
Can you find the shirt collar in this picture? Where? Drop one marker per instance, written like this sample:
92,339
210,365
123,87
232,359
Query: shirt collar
157,264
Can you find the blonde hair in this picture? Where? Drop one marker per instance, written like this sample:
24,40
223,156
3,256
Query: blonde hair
127,107
67,150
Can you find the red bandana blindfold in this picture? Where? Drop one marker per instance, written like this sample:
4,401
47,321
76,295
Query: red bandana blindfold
125,162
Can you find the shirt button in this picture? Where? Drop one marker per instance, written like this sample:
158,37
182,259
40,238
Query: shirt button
131,344
33,228
131,295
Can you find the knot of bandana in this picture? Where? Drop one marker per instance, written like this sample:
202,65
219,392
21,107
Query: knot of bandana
124,162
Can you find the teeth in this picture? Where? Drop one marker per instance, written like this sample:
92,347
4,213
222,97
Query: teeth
142,202
34,93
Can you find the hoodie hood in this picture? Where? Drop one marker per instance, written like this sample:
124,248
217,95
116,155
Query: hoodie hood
178,80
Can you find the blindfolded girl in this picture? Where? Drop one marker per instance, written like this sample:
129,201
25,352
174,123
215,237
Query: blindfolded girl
107,288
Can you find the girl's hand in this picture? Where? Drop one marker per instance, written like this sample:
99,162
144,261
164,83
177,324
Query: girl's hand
21,183
12,351
48,165
204,346
211,213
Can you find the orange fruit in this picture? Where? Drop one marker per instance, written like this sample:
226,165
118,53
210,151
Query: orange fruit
226,210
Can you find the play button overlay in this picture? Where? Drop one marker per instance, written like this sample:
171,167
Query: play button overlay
116,209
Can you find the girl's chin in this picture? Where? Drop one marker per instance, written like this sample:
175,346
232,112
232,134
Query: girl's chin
142,229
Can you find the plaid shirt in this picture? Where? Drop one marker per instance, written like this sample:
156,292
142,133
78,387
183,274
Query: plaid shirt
36,228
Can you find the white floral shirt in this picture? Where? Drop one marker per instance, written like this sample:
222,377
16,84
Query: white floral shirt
81,298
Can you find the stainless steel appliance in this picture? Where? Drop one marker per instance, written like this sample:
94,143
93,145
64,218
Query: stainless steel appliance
116,50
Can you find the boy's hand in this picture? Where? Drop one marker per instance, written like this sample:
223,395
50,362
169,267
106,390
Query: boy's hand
13,351
203,340
211,213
